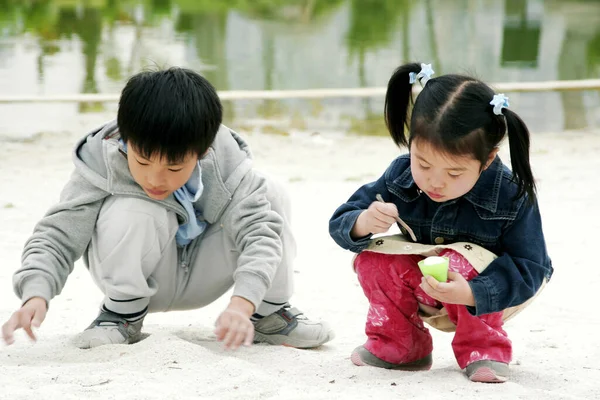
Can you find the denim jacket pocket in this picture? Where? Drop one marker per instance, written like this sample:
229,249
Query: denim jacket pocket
487,241
488,232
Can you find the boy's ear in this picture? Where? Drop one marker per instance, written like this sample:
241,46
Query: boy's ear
491,157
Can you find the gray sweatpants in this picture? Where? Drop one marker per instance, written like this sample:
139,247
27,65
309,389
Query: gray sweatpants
134,260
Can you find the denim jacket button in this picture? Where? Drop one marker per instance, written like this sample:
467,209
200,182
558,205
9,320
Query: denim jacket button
439,240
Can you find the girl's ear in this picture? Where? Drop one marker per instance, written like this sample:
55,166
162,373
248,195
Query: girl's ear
491,158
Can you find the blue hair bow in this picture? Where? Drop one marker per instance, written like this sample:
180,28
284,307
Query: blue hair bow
499,102
423,76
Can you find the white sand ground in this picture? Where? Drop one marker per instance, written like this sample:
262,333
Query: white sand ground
556,340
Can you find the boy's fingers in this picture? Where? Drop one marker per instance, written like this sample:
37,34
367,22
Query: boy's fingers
25,323
249,335
222,327
219,330
38,318
30,333
239,338
9,328
231,340
230,336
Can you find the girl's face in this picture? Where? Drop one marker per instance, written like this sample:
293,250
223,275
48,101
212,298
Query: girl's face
158,177
442,176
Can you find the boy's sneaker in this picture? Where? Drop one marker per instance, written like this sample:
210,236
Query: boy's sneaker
109,328
361,357
289,327
488,371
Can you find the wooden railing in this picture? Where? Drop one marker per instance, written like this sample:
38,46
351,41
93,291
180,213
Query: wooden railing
549,86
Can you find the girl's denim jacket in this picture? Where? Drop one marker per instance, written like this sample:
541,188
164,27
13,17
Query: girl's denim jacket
488,215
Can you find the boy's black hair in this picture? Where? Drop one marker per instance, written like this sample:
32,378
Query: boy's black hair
169,113
453,114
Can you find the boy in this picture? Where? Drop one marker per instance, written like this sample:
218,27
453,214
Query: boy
168,214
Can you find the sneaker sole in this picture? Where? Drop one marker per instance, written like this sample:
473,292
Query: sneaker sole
419,365
94,342
356,360
487,375
283,340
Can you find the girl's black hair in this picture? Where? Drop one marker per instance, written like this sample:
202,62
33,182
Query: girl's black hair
453,114
169,113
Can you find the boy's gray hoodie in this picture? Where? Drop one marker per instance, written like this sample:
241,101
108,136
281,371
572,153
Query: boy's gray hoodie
234,196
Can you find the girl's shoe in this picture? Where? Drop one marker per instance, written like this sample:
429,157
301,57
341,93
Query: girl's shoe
488,371
361,357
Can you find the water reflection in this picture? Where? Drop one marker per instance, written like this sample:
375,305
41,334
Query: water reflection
66,46
521,26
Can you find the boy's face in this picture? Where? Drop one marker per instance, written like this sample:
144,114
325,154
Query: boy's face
444,177
156,176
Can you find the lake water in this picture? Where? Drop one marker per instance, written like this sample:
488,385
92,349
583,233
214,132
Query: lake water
68,46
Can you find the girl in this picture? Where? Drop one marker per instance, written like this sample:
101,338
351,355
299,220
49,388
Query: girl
456,199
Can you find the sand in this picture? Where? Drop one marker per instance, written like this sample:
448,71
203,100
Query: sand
556,343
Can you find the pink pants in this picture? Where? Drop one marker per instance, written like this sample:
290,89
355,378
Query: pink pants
395,332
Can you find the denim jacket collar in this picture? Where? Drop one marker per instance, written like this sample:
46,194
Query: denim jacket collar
484,194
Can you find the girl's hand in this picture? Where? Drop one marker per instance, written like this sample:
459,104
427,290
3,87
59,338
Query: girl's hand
378,218
456,291
233,327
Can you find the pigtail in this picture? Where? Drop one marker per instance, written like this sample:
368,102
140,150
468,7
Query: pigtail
518,140
397,99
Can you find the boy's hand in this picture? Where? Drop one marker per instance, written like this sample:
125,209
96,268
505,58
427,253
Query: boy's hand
233,326
457,291
30,315
378,218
